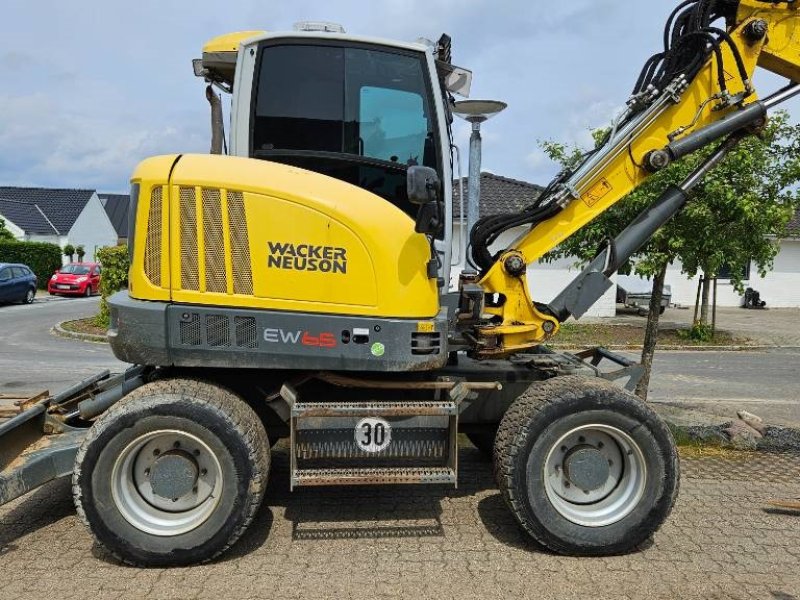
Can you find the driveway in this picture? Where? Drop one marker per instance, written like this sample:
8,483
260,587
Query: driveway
721,541
771,326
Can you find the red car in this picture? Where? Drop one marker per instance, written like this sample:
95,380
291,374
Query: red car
80,278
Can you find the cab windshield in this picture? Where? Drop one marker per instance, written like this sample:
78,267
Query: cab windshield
358,114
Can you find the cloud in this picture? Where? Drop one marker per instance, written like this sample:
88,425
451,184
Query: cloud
108,83
44,143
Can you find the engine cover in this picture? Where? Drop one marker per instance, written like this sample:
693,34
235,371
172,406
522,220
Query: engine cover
237,232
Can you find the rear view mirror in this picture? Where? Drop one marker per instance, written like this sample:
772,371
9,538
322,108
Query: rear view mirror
423,185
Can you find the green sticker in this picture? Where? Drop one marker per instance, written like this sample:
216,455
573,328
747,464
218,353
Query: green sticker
378,349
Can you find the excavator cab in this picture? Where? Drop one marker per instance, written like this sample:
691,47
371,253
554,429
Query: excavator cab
360,110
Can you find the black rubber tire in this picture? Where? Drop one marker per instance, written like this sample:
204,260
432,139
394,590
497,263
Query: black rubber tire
88,292
30,295
483,441
544,413
214,414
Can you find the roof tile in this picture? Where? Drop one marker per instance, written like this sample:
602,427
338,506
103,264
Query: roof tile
498,194
61,206
116,206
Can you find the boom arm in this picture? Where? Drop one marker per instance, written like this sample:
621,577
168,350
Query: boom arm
698,90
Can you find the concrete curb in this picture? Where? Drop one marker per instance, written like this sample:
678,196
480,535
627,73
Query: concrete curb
706,429
776,439
684,348
59,330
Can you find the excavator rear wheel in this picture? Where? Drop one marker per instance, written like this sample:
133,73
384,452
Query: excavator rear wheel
173,474
585,467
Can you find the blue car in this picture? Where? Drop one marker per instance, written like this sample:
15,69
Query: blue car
17,283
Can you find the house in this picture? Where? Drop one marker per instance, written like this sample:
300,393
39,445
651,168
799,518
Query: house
58,216
780,287
116,206
503,194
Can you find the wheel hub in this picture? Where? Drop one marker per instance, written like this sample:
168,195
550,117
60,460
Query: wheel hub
594,475
586,468
173,475
166,482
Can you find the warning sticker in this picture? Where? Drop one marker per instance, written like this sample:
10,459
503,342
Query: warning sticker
425,327
593,196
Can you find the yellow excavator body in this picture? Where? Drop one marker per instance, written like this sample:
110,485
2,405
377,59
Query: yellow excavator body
228,231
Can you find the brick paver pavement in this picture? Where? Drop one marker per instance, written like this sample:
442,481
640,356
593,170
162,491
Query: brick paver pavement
720,542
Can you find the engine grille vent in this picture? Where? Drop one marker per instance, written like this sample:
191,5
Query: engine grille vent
426,343
190,279
214,246
152,248
246,333
218,331
190,330
240,245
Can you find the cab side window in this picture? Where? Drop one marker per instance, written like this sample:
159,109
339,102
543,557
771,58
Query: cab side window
5,274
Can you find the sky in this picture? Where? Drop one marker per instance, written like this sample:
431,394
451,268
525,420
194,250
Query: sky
92,87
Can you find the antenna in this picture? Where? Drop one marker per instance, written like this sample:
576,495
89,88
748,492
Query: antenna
476,112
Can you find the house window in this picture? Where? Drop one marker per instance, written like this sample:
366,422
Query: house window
725,272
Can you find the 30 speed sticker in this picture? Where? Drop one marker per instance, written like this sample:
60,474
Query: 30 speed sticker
373,434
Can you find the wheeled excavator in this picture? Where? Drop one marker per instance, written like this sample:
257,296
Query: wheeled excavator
297,288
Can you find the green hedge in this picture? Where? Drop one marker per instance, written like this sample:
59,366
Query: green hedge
115,277
41,257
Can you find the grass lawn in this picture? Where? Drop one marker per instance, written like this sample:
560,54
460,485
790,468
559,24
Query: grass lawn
605,334
84,326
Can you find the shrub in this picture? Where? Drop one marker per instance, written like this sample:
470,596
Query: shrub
41,257
69,252
115,277
698,332
5,234
81,252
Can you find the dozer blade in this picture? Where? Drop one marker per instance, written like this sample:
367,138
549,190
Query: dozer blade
38,445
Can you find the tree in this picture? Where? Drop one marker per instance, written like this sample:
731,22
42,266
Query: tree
69,252
743,209
652,259
81,252
5,234
728,218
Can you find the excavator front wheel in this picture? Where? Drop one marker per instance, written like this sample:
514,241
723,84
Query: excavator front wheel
173,474
585,467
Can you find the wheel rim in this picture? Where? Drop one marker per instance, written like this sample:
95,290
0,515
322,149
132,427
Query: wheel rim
29,296
166,482
595,475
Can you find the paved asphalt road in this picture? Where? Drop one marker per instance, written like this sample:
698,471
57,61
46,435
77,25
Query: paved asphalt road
32,359
763,382
721,541
766,383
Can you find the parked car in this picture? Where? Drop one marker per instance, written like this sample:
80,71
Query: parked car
77,279
17,283
635,292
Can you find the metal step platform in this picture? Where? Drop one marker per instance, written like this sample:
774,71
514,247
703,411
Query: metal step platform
373,443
